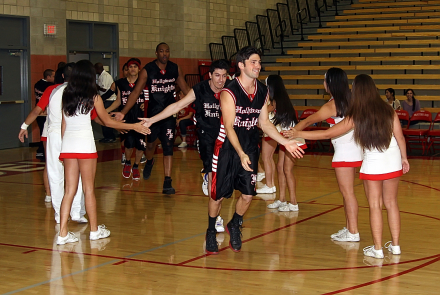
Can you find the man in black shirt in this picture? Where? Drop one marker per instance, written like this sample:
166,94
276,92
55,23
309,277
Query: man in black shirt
40,86
161,77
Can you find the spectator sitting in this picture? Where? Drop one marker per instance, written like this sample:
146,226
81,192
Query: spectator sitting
411,104
391,99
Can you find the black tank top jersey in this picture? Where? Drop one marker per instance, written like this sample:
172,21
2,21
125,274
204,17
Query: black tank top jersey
247,111
206,108
161,85
137,111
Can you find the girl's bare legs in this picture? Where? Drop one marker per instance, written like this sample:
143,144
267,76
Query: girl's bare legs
281,175
345,177
71,176
87,167
390,187
289,162
373,191
267,151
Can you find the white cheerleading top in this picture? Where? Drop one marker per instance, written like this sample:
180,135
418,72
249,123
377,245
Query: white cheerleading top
78,140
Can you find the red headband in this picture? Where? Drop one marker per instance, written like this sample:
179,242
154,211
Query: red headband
134,62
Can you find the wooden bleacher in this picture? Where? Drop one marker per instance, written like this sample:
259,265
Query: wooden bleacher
396,42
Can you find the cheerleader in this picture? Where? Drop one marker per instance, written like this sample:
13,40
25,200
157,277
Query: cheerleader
284,117
347,156
78,151
377,130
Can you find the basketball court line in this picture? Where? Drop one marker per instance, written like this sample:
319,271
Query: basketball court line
118,259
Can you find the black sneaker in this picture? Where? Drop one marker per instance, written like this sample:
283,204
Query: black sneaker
211,242
147,170
234,231
167,188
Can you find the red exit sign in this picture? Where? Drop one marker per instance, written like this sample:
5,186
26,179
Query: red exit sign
50,30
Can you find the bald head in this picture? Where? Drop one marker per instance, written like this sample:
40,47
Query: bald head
99,67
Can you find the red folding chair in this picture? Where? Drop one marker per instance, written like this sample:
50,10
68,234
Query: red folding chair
418,135
403,116
433,133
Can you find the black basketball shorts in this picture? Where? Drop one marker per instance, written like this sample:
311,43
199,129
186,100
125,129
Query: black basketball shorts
228,174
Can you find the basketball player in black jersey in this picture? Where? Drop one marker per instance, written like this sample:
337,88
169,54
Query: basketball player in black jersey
204,98
161,77
133,139
235,162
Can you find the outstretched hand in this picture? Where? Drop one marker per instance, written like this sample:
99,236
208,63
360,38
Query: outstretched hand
140,128
291,133
146,121
293,148
118,116
22,134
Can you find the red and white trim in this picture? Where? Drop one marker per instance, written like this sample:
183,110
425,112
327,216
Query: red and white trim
230,93
250,96
347,164
381,176
43,138
78,156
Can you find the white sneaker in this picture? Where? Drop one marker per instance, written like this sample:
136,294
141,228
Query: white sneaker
48,199
143,159
81,220
219,224
205,184
266,190
261,176
371,252
101,233
347,236
123,159
393,249
69,238
182,145
341,231
288,207
276,204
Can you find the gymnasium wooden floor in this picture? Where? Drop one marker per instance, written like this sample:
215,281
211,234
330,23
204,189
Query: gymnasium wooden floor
156,245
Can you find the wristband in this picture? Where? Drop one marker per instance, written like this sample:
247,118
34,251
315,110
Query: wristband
24,126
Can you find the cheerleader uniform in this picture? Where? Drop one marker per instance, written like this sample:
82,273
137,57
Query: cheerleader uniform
78,141
379,165
278,127
44,133
347,152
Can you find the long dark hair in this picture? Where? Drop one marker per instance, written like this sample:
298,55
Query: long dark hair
372,117
285,113
79,94
413,97
337,83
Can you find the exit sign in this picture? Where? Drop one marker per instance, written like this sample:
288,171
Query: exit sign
50,30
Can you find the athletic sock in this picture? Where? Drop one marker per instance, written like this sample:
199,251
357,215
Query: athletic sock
167,178
211,222
237,219
150,162
135,165
127,162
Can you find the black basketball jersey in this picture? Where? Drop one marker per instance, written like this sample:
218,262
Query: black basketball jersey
206,107
137,111
161,85
39,88
247,111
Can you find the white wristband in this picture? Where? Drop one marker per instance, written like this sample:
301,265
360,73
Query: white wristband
24,126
